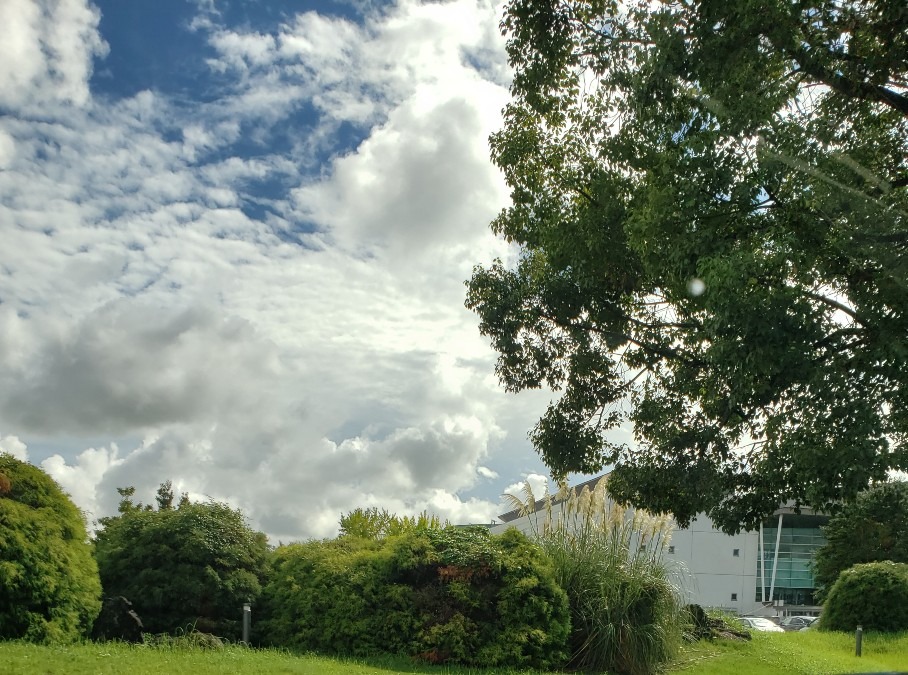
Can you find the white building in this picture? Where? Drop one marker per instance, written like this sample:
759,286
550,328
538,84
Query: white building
762,572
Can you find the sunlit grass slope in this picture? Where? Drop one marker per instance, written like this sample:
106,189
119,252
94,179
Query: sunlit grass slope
115,659
807,653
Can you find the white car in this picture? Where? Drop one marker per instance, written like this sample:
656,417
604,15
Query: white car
760,624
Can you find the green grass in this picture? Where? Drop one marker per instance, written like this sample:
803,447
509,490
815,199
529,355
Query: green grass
808,653
117,658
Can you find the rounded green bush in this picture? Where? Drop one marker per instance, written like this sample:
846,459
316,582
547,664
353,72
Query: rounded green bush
872,595
443,595
49,585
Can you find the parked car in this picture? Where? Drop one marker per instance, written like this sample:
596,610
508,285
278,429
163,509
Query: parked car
797,622
760,623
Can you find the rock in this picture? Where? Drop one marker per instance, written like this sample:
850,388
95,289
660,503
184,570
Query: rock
117,621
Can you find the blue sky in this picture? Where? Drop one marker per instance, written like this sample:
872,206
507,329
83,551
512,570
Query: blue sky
235,241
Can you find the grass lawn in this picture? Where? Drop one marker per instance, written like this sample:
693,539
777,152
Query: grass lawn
808,653
115,659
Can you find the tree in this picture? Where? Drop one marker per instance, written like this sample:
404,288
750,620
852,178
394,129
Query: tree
374,523
873,528
49,586
194,565
710,204
164,496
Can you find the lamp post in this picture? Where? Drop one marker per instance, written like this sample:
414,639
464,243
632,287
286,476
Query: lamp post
247,621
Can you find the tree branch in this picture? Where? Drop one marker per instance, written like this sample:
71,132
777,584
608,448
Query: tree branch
664,352
835,304
851,88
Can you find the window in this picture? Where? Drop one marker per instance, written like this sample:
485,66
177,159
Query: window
671,549
736,552
734,597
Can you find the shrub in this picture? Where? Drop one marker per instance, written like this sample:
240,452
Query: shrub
872,595
192,566
445,595
626,612
502,588
337,597
49,586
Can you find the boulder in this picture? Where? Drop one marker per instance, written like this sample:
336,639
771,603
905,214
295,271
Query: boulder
117,621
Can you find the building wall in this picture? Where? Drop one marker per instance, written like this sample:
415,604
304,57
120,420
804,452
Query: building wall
721,569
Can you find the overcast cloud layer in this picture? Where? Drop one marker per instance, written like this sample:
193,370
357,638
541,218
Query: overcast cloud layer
257,291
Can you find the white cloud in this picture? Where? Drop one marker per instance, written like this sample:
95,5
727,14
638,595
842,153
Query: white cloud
46,51
131,365
297,363
13,446
486,472
7,150
537,483
418,184
80,480
243,50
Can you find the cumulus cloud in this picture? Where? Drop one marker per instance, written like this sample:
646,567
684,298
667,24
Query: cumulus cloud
268,318
7,149
47,51
537,483
419,183
130,366
13,446
294,483
486,472
81,478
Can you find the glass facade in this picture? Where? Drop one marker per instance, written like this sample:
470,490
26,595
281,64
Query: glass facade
800,538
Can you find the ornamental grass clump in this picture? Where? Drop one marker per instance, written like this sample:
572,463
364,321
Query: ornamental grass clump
627,613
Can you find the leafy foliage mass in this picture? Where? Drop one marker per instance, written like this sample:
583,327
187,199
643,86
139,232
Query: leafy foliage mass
375,523
194,565
872,595
49,586
626,611
872,528
444,595
710,200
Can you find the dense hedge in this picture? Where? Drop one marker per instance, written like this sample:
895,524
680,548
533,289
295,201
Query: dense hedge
49,586
872,595
452,595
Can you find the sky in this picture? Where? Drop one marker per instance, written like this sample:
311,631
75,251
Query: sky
235,235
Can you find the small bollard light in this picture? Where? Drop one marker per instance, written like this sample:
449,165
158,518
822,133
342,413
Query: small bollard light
247,621
858,638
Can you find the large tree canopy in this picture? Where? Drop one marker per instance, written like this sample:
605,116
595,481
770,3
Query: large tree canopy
710,203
